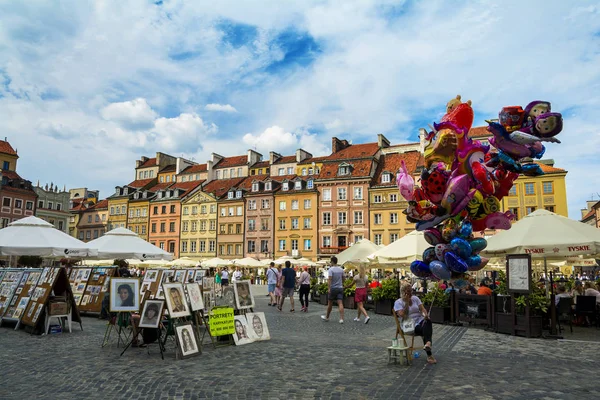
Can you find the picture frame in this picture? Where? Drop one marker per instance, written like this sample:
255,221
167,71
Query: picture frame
152,313
228,298
241,335
151,275
243,295
180,275
124,294
186,340
176,301
257,326
190,275
195,296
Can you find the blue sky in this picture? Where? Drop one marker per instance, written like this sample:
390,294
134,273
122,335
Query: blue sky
86,88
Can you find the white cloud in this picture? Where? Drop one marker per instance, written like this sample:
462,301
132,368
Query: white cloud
274,138
220,107
134,114
185,132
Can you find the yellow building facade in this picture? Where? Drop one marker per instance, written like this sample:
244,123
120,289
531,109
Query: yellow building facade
199,226
137,218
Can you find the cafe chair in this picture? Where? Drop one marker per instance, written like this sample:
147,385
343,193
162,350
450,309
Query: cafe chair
564,312
586,306
402,351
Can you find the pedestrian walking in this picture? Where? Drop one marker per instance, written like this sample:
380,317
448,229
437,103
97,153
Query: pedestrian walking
278,286
360,295
335,283
224,277
304,282
272,282
237,275
288,276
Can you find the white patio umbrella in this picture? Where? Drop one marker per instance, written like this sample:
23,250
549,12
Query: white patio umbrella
282,260
358,252
304,262
403,251
32,236
123,243
215,262
184,262
266,262
248,262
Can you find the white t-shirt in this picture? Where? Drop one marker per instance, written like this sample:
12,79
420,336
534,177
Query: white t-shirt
237,275
271,276
413,311
225,274
593,292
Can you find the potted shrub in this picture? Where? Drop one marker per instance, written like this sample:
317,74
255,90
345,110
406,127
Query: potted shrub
438,302
323,291
385,295
349,290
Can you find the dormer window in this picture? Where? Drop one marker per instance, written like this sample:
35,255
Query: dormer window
309,184
344,169
238,194
136,196
298,185
145,195
125,190
310,171
267,185
255,187
230,195
117,190
386,177
160,195
168,193
285,186
303,171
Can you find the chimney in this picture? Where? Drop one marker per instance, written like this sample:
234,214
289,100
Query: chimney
215,158
210,174
302,155
273,157
422,136
253,157
338,145
382,141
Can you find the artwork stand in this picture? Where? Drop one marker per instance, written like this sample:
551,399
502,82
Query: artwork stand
179,322
201,319
161,346
120,321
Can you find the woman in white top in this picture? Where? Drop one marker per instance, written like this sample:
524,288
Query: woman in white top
360,295
304,281
590,290
409,306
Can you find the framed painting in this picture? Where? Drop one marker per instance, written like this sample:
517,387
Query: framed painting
151,313
176,302
186,340
241,335
195,296
257,326
243,295
124,294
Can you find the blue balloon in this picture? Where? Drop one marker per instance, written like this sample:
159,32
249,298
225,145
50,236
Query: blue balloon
478,244
461,247
473,261
455,263
429,255
420,269
440,270
466,229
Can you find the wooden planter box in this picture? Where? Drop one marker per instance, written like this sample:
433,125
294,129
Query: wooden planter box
504,324
323,299
439,315
384,307
349,303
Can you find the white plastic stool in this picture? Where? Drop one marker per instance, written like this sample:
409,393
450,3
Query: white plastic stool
60,321
398,353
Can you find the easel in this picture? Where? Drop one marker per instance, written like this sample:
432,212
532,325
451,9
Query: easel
161,346
122,320
200,319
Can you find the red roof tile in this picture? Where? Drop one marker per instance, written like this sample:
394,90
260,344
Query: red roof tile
168,168
11,175
101,204
6,148
281,178
588,215
355,151
160,186
261,164
187,186
359,169
140,183
220,187
151,162
313,159
285,160
195,169
548,169
392,162
234,161
479,132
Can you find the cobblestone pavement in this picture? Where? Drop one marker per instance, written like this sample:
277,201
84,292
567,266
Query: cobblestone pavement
306,358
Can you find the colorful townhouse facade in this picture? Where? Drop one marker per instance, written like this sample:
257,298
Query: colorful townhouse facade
118,203
53,206
258,230
17,196
199,225
93,221
231,217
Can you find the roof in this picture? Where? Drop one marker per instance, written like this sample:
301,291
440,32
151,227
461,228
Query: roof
588,215
187,186
392,163
194,169
168,168
140,183
220,187
479,132
355,151
101,204
549,169
360,169
160,186
6,148
281,178
285,160
261,164
151,162
311,160
234,161
11,174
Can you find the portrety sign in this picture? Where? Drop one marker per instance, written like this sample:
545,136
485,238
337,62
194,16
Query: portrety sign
221,321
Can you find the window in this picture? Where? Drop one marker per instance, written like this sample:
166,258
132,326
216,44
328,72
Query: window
513,191
185,210
213,208
153,228
393,198
377,198
6,202
264,246
327,194
193,246
81,237
255,187
202,209
58,206
238,194
184,178
222,229
281,171
202,246
377,219
155,211
377,239
162,226
307,223
103,217
213,224
357,238
393,237
282,224
343,170
342,217
194,226
162,179
264,224
251,224
341,193
282,206
184,245
137,212
386,177
123,209
223,211
358,217
326,241
97,218
143,229
219,177
529,189
393,218
307,244
238,228
267,185
298,185
231,211
290,170
548,187
89,219
221,247
203,225
50,204
40,203
230,195
88,235
285,186
294,244
232,172
163,210
310,171
239,172
358,193
251,246
303,171
282,245
307,205
172,209
18,203
251,204
230,229
130,213
29,205
6,165
240,210
295,204
265,204
212,246
309,184
295,224
529,210
549,208
161,245
326,218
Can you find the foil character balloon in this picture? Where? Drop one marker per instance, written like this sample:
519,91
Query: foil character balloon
433,236
478,244
440,250
511,117
405,182
462,116
455,263
440,270
461,248
535,109
499,220
420,269
429,255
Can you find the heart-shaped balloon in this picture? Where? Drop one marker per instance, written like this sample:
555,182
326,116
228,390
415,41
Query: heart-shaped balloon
482,263
455,263
473,261
461,247
440,270
420,269
440,250
432,236
429,255
465,230
478,244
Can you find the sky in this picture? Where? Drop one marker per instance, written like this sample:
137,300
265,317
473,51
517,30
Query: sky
88,87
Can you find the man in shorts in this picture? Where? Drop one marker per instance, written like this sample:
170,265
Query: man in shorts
271,282
289,282
335,282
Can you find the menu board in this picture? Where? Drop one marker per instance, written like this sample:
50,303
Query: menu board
518,273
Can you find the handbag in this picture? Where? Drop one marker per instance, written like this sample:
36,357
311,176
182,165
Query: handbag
408,326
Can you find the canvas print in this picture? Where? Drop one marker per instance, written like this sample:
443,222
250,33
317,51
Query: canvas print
31,309
241,335
166,275
195,296
86,274
243,295
190,275
40,307
179,276
176,302
77,298
151,276
124,294
106,284
257,326
160,294
186,340
151,314
85,300
229,297
199,275
80,288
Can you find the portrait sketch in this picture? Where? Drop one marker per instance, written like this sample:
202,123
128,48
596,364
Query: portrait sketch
228,297
151,314
124,294
176,302
243,295
40,307
195,296
257,326
186,340
241,335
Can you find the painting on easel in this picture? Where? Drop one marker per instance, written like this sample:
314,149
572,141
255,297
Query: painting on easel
176,302
186,340
257,326
124,294
243,295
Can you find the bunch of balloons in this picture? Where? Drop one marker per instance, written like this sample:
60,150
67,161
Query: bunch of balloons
464,180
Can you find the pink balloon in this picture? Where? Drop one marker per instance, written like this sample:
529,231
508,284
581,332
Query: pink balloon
405,182
456,190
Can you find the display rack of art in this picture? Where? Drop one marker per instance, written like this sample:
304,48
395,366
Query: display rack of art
22,296
8,287
196,301
97,287
152,283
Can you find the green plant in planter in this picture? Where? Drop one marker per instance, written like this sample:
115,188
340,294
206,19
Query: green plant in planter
387,291
349,287
437,296
323,288
501,288
538,301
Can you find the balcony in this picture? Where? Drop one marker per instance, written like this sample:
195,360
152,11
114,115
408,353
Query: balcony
332,250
